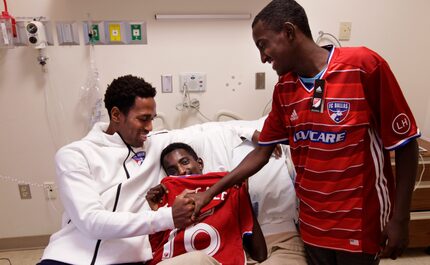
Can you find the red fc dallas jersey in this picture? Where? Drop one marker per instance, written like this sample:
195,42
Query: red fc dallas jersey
344,179
219,234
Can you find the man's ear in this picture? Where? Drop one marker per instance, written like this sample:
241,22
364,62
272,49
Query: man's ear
201,164
115,114
289,30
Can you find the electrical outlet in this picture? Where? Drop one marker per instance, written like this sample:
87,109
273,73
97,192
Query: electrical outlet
193,82
24,191
50,192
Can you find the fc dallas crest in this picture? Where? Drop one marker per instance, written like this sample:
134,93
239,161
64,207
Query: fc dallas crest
338,110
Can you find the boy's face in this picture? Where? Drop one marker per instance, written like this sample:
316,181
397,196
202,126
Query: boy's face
179,163
275,48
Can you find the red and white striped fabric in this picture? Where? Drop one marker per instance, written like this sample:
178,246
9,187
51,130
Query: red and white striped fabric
219,234
344,179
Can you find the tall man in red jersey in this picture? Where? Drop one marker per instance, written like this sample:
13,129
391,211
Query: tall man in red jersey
342,111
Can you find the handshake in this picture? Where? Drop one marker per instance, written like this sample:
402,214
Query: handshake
186,206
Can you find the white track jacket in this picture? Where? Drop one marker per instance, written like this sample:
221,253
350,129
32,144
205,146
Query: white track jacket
92,182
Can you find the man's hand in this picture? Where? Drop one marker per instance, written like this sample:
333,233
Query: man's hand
255,136
201,199
182,209
155,196
395,235
277,152
395,238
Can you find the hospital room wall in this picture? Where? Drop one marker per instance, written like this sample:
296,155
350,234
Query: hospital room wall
31,130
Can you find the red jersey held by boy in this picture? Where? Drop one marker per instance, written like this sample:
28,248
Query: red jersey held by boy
218,234
340,133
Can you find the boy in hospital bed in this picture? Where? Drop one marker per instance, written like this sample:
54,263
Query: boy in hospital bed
273,198
224,221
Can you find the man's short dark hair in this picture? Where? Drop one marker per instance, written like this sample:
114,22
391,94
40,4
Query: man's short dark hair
174,146
122,92
277,12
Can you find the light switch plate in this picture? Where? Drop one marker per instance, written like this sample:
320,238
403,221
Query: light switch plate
24,191
166,84
260,80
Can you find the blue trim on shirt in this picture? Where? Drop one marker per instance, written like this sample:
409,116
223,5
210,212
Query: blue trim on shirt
286,142
404,143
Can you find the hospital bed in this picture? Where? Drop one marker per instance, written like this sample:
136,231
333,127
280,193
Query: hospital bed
271,189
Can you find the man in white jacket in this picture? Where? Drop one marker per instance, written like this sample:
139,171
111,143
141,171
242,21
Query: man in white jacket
103,179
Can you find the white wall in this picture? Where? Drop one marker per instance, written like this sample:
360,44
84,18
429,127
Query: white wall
222,49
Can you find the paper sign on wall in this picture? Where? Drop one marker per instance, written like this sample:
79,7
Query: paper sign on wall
115,32
136,31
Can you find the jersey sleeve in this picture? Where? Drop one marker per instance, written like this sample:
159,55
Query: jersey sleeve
390,111
245,211
157,240
274,130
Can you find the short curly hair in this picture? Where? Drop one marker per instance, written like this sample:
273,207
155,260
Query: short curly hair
174,146
122,92
277,12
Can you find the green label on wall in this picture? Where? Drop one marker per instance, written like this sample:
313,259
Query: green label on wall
96,32
136,32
